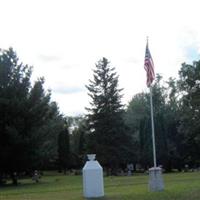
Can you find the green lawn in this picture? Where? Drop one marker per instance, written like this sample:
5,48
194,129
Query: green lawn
178,186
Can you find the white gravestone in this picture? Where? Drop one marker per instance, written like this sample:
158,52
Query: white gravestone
93,178
155,179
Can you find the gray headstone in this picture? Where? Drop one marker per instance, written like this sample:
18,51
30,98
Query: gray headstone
155,179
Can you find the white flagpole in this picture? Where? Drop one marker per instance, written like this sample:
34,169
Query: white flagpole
152,127
155,173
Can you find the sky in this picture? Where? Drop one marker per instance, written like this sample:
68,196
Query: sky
63,39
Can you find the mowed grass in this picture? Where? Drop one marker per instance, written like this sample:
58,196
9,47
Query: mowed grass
178,186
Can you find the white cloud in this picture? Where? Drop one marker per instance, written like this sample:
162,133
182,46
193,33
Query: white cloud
63,39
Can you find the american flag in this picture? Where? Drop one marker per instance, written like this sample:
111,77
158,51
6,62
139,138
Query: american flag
149,66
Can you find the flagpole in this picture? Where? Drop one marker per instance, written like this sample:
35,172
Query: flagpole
155,173
152,127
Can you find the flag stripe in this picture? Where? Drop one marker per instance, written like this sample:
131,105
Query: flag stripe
149,66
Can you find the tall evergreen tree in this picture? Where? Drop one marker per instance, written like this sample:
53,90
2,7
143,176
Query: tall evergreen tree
26,117
109,138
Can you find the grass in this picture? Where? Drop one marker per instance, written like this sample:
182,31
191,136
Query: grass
178,186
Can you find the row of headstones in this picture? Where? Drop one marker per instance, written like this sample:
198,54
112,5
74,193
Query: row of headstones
93,185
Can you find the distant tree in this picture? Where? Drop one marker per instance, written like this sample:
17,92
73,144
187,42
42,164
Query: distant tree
109,138
79,142
160,100
137,118
64,149
166,118
26,114
78,137
189,85
172,116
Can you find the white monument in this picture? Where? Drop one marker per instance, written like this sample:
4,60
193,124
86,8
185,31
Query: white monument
93,186
155,179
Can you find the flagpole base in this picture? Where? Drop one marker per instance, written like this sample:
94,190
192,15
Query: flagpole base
155,179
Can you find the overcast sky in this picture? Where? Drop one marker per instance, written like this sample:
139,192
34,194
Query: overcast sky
63,39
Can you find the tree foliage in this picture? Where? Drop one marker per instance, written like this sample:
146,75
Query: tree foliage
109,138
27,116
33,133
64,149
165,107
189,85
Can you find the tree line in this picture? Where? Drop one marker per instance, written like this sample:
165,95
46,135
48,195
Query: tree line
35,135
30,123
121,134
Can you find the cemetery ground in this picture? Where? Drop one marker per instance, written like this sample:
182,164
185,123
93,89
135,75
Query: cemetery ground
54,186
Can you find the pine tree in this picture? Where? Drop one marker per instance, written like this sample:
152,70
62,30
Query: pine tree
108,138
29,121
